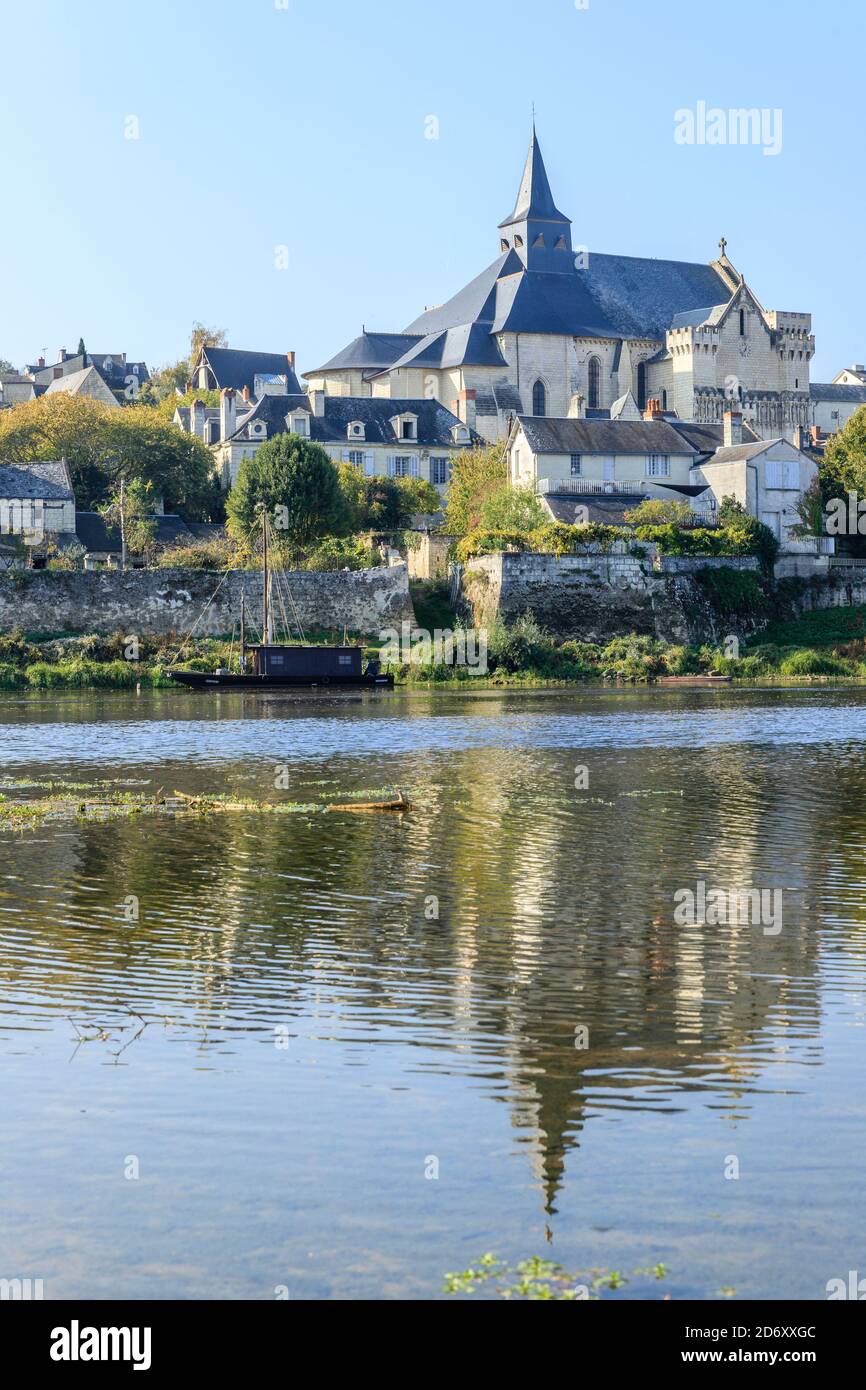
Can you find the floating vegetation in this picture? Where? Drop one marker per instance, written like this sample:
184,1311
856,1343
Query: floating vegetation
99,802
542,1281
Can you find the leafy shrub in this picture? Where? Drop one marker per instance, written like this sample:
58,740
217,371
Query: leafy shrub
488,543
218,554
658,511
733,593
524,646
812,663
336,553
11,678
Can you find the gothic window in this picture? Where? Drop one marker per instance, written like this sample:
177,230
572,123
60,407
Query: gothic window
594,392
641,385
539,399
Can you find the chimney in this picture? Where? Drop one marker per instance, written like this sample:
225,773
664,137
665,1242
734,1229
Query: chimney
196,419
733,428
62,354
815,434
41,362
290,358
246,395
228,413
577,407
466,408
653,409
317,400
58,372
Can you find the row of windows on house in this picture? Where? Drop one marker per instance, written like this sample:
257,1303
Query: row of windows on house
401,466
657,466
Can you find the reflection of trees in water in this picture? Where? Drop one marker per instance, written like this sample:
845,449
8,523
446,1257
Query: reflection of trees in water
556,912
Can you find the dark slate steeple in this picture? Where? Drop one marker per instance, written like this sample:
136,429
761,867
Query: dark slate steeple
537,230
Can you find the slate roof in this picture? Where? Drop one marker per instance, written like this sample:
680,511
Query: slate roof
73,383
534,198
271,411
435,421
470,344
371,352
706,439
614,297
547,435
45,481
741,453
609,509
846,395
233,368
98,538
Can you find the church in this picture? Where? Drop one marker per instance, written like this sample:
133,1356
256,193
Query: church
552,328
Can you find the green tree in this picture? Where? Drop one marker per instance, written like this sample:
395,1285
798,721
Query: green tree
299,487
6,366
476,475
202,337
385,504
515,509
104,445
165,384
130,510
843,468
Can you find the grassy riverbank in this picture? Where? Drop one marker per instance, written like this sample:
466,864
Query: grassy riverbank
830,643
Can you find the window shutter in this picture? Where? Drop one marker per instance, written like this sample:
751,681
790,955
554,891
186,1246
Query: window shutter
414,466
370,465
344,456
392,466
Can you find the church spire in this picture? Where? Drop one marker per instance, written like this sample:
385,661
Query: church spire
536,229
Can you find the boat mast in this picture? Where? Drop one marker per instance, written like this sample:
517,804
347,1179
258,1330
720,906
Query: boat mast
243,630
266,581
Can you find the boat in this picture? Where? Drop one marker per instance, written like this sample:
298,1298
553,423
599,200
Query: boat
695,682
271,665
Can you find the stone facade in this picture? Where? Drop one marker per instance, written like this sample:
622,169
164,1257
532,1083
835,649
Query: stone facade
164,602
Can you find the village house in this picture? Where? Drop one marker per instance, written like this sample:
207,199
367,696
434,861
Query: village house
768,477
36,498
382,437
256,373
15,389
123,379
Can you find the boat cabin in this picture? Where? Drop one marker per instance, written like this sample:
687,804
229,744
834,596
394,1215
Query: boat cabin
307,663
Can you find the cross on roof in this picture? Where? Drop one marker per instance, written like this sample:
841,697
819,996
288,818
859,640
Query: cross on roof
723,245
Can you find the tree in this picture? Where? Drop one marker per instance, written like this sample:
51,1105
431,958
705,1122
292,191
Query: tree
165,384
657,511
130,509
202,337
843,468
103,444
385,504
477,473
299,487
6,366
513,509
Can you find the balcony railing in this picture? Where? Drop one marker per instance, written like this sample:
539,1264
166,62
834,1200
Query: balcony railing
590,487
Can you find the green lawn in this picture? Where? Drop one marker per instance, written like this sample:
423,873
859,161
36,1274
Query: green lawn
828,628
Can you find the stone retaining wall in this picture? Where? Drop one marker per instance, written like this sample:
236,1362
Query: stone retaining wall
161,602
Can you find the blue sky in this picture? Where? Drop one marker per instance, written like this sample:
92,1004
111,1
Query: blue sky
304,127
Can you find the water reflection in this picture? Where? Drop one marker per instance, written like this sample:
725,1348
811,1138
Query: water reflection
468,945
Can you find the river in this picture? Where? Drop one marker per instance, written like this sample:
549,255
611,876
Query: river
336,1056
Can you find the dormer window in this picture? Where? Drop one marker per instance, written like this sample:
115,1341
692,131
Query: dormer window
504,245
460,434
405,428
518,241
299,424
356,430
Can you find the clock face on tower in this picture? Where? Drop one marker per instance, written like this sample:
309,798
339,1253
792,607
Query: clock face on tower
745,350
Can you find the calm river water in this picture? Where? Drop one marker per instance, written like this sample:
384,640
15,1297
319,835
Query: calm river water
363,1064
